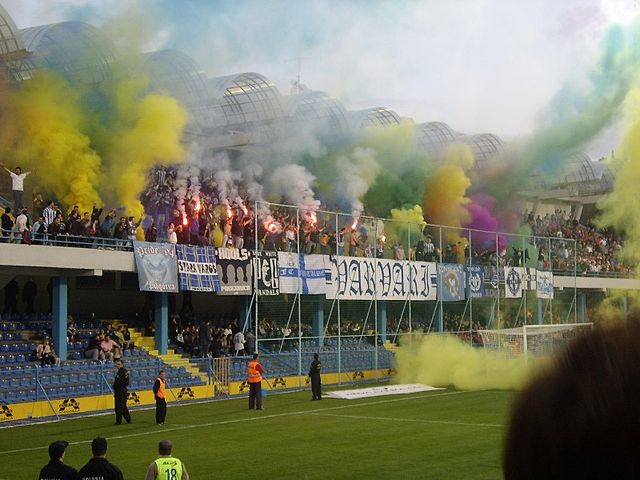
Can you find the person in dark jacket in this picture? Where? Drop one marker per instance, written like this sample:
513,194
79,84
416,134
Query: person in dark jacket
120,385
56,469
99,466
314,375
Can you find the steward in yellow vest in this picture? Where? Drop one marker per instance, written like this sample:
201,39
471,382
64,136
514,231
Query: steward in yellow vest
160,395
254,378
166,467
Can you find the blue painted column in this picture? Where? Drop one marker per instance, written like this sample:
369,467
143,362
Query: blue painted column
59,316
317,320
539,311
382,321
162,321
582,307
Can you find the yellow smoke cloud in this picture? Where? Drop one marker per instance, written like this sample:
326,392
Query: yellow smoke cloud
42,132
147,130
408,218
445,192
446,361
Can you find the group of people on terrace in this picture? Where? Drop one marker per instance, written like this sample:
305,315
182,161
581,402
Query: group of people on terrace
203,216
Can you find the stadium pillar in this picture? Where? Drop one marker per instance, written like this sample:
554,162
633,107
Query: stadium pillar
440,319
59,316
162,321
582,307
317,321
382,321
539,311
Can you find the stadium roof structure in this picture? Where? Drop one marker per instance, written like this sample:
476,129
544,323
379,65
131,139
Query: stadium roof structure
12,51
244,98
318,109
582,180
372,117
176,73
78,51
486,147
433,137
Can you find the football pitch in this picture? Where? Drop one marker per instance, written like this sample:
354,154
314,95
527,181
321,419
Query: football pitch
444,434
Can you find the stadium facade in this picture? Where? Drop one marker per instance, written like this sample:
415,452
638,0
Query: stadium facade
245,112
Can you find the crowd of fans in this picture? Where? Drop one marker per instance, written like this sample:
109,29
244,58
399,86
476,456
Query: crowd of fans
181,213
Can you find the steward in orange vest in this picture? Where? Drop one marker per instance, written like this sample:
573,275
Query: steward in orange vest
160,395
254,378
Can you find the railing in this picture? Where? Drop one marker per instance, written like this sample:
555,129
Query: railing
66,240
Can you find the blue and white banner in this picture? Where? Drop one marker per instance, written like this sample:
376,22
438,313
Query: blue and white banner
544,282
355,278
451,282
306,274
475,281
514,278
157,267
197,268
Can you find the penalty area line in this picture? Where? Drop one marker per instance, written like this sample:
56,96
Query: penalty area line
177,428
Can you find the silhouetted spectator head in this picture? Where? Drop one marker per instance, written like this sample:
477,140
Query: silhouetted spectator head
581,417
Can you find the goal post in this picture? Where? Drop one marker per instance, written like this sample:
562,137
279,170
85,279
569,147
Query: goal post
538,340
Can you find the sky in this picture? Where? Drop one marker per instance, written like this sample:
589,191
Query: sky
478,65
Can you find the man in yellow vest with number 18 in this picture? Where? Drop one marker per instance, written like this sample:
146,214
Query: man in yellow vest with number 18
166,467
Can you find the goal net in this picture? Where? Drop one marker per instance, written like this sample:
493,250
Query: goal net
535,340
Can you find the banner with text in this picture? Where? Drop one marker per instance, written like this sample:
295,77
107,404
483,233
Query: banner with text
451,282
267,274
234,271
306,274
368,278
197,268
157,267
544,282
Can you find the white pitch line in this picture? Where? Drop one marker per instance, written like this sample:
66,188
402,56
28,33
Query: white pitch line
411,420
246,419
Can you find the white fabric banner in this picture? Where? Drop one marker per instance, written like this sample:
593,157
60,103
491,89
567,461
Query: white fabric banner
355,278
545,285
380,391
514,281
306,274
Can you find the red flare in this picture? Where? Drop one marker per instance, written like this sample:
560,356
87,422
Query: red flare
383,238
273,228
229,213
184,219
245,209
198,206
354,225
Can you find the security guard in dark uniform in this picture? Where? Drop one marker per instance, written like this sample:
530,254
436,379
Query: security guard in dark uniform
314,374
56,469
99,466
120,385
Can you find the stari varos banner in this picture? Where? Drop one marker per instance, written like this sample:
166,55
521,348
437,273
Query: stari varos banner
157,267
197,268
234,271
354,278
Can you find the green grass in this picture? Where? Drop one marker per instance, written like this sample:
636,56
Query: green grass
436,435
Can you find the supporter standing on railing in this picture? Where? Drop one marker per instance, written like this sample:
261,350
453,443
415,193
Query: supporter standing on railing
120,385
17,185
